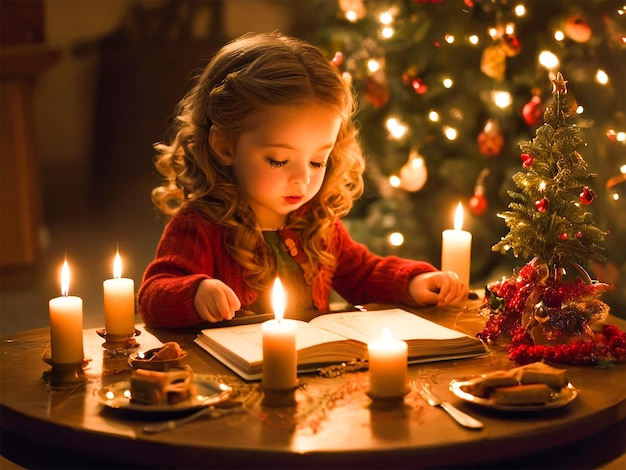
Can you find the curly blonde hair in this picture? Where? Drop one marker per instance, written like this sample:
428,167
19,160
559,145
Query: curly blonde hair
247,76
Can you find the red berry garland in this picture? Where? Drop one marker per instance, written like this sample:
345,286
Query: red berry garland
609,347
527,160
505,303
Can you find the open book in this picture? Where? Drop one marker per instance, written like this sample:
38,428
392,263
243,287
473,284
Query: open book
340,337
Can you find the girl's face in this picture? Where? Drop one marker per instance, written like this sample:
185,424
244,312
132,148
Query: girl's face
280,162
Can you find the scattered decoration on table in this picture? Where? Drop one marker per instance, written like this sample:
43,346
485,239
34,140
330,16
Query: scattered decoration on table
119,352
336,370
55,387
314,410
315,403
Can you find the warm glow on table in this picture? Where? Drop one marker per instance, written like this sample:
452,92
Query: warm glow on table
280,359
119,302
388,366
66,324
456,251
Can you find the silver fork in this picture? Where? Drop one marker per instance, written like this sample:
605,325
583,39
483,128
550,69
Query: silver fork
463,419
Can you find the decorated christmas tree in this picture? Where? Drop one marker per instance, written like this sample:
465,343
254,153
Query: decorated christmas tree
547,312
549,218
447,89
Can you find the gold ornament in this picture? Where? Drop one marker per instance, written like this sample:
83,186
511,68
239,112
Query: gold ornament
559,85
493,62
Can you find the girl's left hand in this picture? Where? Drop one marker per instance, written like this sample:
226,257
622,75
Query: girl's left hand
438,287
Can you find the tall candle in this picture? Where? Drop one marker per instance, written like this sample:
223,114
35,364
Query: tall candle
280,358
456,251
388,364
66,324
119,302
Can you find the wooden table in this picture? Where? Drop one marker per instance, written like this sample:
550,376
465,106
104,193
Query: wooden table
333,424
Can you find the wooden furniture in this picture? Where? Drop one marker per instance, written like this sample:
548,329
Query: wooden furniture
333,424
20,213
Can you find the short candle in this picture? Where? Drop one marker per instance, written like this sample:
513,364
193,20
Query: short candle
119,302
66,324
388,366
456,250
280,361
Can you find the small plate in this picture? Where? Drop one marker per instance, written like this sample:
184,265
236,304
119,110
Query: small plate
144,360
209,392
558,400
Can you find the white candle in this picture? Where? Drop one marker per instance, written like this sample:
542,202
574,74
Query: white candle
456,251
119,302
280,359
388,364
66,324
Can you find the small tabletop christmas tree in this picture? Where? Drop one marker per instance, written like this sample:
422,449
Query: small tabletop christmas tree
545,312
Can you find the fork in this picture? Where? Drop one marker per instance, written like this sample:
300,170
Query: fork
463,419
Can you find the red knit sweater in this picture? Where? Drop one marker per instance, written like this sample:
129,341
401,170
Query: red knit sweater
192,249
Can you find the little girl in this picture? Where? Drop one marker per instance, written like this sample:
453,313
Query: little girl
263,165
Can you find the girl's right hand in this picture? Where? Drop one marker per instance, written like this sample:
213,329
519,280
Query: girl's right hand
215,301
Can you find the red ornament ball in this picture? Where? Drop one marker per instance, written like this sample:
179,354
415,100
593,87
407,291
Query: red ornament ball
577,28
490,140
478,203
511,45
419,86
587,196
542,204
527,160
376,93
533,111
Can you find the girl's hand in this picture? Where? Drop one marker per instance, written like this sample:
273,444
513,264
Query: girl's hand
215,301
438,287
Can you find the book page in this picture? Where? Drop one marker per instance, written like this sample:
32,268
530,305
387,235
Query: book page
369,326
247,340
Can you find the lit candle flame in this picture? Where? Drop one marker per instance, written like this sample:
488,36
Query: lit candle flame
65,278
458,217
117,266
278,300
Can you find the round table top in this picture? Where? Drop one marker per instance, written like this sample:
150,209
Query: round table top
333,420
